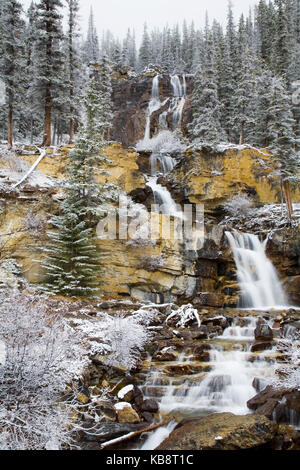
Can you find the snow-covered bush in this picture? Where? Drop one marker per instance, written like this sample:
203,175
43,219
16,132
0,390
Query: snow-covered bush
118,339
289,372
267,217
41,356
184,315
239,205
10,273
165,142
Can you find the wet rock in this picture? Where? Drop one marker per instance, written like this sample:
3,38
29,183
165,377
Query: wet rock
146,416
201,352
263,332
279,403
261,346
150,406
223,431
165,355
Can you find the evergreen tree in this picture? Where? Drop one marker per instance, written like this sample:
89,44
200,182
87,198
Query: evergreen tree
12,58
91,49
73,64
48,61
72,262
243,100
206,126
282,137
145,50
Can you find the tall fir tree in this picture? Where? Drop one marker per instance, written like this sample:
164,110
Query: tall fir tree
12,58
91,47
145,50
48,61
282,137
206,125
72,262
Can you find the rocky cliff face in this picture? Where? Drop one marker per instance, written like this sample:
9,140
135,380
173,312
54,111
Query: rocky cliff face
164,271
131,96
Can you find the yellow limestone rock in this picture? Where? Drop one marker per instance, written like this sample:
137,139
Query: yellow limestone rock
214,178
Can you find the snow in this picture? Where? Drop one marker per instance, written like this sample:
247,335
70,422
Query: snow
122,406
2,353
185,314
123,392
165,142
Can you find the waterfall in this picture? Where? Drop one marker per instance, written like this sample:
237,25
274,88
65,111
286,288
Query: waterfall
154,105
224,385
257,277
178,101
163,198
164,163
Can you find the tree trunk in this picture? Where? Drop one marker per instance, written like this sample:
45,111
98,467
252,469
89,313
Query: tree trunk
47,125
288,199
242,135
10,126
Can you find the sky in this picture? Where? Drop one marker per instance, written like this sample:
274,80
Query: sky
118,15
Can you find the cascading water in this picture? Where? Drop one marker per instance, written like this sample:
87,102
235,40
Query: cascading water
154,105
257,277
178,101
226,387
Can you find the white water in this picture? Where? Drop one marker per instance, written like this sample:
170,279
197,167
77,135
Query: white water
227,387
178,101
258,280
161,163
154,105
163,198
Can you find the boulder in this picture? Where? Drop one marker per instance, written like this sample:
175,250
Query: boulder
126,393
223,431
277,403
126,414
261,346
150,406
165,355
263,332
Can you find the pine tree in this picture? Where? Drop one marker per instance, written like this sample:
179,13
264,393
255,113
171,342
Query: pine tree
282,137
102,77
48,61
206,126
73,64
72,264
12,59
243,100
282,44
145,50
91,48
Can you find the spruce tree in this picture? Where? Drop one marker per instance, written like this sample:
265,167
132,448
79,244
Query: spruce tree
206,126
145,50
12,57
282,137
72,262
91,48
48,61
243,100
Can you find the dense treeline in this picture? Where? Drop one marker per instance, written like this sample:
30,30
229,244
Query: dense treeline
244,73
